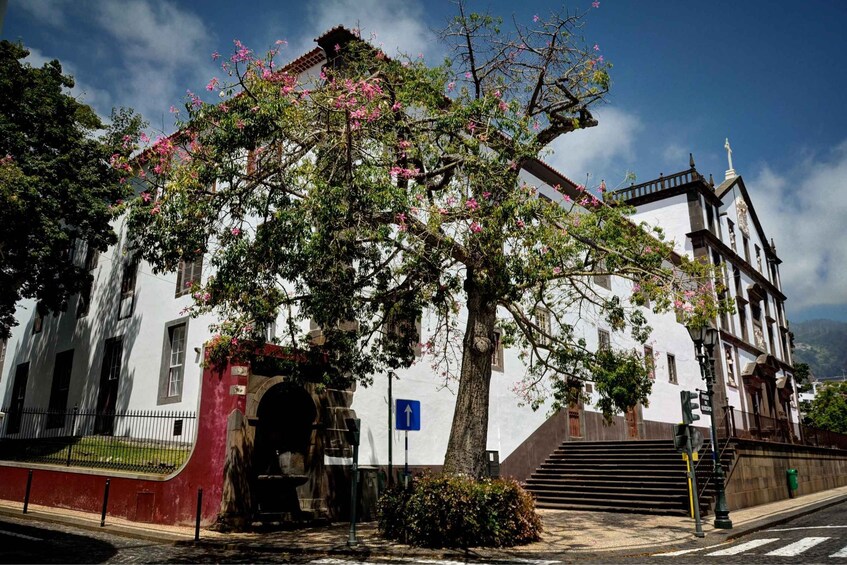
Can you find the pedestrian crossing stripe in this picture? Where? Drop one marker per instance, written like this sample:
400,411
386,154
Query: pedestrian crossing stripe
741,548
797,547
793,549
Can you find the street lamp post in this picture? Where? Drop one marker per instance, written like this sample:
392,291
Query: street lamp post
705,338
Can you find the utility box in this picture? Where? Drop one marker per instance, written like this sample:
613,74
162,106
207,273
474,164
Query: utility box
793,484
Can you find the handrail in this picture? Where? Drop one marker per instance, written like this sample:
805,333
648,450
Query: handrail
656,185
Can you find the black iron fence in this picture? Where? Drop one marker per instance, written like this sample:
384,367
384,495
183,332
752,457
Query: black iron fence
737,423
132,440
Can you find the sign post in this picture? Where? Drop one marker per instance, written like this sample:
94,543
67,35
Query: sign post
408,414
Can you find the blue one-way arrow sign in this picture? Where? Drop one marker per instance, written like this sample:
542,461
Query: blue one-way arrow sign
408,415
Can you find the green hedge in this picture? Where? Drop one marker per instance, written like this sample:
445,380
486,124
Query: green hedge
458,511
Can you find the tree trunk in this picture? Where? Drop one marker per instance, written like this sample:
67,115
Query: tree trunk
469,434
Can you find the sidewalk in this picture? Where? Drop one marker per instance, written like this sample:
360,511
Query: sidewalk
565,532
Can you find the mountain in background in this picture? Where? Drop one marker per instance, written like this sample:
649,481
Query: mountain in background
822,344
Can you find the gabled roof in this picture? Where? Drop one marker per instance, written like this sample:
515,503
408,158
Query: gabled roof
737,182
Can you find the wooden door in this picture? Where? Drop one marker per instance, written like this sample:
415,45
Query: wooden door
574,421
632,423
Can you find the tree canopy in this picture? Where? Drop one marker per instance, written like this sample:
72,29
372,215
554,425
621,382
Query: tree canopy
382,187
828,409
57,183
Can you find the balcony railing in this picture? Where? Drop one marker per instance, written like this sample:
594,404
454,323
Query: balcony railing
747,425
654,186
132,440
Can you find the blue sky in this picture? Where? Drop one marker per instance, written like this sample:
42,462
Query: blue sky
768,74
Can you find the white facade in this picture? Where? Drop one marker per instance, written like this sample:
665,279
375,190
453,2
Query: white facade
149,333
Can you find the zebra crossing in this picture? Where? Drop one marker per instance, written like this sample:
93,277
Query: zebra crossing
768,547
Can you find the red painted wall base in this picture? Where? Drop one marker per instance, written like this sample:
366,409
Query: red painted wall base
169,500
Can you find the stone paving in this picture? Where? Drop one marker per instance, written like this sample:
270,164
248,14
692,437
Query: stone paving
565,532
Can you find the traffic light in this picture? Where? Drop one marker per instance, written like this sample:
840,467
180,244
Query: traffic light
689,406
680,436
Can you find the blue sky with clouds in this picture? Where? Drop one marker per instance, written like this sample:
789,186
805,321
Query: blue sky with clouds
768,74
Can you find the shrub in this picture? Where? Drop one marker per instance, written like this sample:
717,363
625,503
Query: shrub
458,511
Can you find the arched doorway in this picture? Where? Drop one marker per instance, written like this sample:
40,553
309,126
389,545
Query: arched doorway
285,424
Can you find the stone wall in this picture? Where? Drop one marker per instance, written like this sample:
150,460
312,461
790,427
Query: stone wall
758,476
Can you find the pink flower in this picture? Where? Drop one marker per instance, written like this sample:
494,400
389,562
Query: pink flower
486,195
213,84
472,204
521,224
468,75
144,138
337,47
475,227
503,106
145,196
557,270
216,56
396,106
471,127
600,59
596,47
535,18
235,231
451,86
595,4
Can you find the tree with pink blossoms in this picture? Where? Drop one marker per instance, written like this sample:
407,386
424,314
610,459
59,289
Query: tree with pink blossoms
380,188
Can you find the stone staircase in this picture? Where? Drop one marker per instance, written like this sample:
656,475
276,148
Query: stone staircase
644,476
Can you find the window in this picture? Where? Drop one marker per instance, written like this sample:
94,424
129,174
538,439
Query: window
57,409
640,296
742,316
542,320
405,330
746,243
603,340
13,423
731,235
603,280
730,365
188,274
672,369
83,302
650,362
710,217
92,256
173,362
110,380
497,352
38,321
2,356
758,257
130,273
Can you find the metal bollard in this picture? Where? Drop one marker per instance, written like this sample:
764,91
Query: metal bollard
28,487
105,503
199,509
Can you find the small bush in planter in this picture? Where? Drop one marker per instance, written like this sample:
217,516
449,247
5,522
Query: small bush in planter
458,511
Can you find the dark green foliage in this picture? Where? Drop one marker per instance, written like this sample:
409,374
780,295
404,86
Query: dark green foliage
828,410
57,183
458,511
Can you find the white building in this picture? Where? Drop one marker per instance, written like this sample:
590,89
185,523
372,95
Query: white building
129,345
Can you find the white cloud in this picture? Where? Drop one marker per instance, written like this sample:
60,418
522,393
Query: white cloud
803,209
45,11
397,25
595,150
154,30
